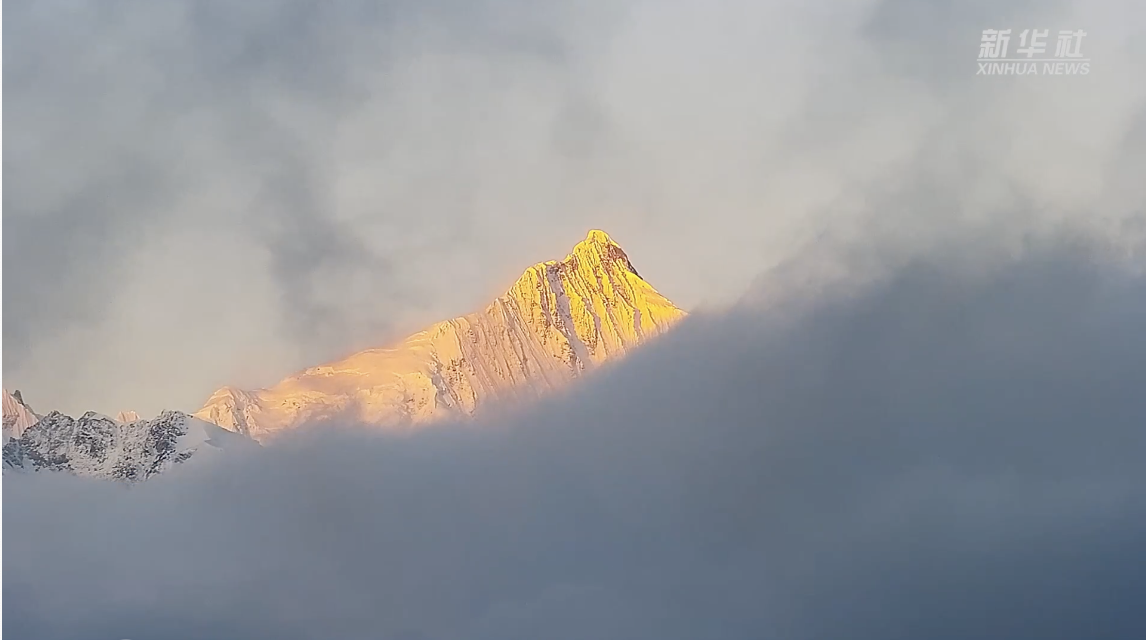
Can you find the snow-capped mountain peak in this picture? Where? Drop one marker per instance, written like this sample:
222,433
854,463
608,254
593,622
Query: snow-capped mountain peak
98,446
18,416
560,319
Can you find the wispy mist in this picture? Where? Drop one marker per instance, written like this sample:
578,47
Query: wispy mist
245,190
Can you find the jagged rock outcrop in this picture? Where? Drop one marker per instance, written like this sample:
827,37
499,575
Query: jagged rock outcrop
559,320
95,445
18,416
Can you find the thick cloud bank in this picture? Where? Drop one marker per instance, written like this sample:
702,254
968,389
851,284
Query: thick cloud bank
939,453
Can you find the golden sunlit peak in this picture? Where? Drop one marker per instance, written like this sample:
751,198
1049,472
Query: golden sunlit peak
596,235
596,247
558,321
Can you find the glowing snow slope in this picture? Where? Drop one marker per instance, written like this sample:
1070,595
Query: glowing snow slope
559,320
17,415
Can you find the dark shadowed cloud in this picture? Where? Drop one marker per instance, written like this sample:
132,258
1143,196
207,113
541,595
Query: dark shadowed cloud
947,448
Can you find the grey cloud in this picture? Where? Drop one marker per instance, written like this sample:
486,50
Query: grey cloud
943,450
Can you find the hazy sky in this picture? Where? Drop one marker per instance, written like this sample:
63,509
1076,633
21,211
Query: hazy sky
209,193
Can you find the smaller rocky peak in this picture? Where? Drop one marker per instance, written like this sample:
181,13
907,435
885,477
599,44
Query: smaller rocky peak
18,416
95,445
14,403
95,416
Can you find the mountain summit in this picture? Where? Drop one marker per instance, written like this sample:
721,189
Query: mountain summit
18,416
559,320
